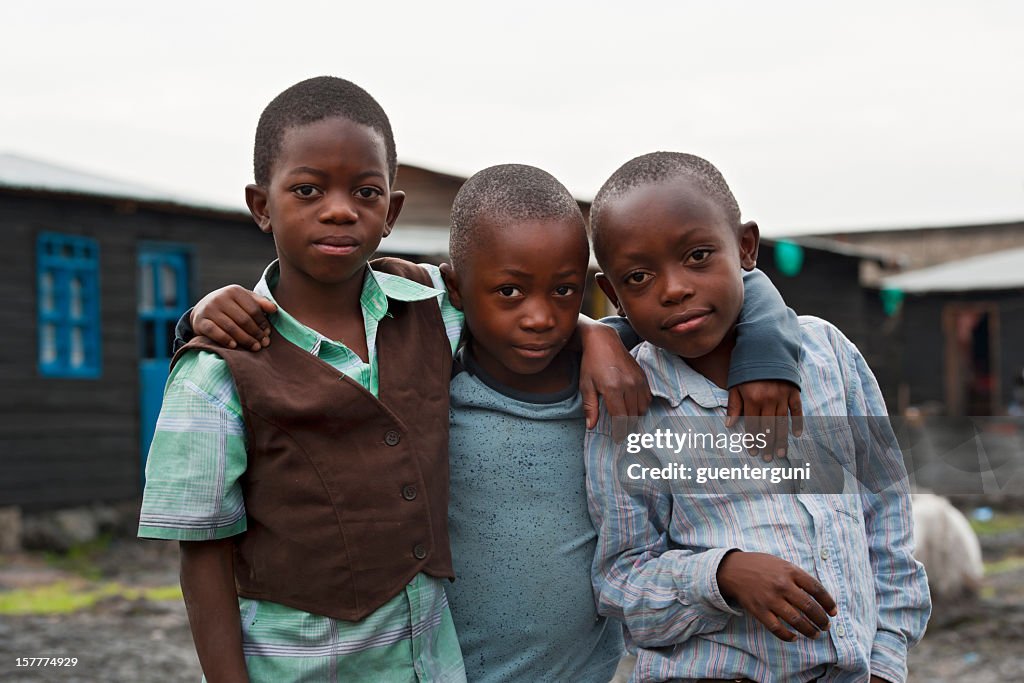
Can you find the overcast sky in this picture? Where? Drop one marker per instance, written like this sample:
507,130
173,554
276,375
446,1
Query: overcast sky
821,115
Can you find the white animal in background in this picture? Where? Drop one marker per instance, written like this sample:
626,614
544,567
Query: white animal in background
947,546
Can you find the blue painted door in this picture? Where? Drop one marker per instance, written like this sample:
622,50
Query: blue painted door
163,296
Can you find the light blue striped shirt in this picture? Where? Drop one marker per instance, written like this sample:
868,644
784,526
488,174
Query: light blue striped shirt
660,544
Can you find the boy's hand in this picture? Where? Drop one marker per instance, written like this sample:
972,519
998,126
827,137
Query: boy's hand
776,593
608,371
766,407
233,316
878,679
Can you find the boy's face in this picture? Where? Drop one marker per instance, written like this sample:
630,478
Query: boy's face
329,200
672,264
521,291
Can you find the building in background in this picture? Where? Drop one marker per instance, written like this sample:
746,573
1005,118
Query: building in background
99,270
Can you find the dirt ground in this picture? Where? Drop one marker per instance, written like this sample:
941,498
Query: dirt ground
127,636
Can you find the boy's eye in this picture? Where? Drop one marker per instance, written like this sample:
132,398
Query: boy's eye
565,290
509,290
637,277
369,192
306,190
700,255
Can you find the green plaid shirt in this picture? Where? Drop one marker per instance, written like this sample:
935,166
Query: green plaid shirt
193,494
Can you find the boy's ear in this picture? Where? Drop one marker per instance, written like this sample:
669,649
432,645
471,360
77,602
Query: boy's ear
606,286
395,205
750,242
256,200
451,281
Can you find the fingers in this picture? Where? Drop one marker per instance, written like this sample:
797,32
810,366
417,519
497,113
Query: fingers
589,396
267,305
615,404
814,588
796,409
781,431
795,618
735,407
752,425
808,607
233,326
776,626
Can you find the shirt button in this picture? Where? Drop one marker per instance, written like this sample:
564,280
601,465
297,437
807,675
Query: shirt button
409,492
840,630
824,553
392,437
418,551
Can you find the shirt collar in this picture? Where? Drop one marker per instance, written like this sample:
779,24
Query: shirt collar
377,289
673,379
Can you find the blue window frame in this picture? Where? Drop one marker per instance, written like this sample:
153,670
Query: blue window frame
67,267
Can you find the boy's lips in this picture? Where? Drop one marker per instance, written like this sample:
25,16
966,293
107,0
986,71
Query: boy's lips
337,245
686,321
534,350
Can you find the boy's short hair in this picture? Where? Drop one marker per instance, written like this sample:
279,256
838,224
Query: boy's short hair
658,167
504,194
310,101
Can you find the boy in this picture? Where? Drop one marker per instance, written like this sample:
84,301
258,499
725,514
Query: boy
522,538
708,585
339,569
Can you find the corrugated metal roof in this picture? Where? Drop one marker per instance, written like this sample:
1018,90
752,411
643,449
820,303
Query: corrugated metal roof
18,172
1000,270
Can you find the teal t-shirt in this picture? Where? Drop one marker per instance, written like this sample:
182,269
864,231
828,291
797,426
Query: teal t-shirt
522,539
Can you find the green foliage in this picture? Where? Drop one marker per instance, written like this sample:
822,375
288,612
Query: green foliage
63,597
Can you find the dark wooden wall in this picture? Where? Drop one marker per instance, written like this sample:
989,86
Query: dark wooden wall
73,441
828,286
923,358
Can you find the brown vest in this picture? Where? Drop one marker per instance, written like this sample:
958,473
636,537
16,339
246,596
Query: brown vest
346,495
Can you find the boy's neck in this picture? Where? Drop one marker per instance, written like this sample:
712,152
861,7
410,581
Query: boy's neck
715,364
332,309
552,379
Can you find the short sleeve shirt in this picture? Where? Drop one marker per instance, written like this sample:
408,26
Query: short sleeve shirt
193,493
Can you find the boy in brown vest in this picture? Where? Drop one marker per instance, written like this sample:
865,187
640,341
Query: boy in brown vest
308,484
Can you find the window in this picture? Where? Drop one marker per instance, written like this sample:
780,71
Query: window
69,307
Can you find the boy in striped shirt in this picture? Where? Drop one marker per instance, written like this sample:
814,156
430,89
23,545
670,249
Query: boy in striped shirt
712,579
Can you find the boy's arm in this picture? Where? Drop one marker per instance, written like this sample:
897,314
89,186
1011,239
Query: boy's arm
208,586
764,376
609,371
662,596
901,587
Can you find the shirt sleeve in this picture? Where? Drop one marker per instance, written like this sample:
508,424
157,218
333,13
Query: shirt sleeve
197,457
183,331
454,320
662,595
627,335
901,586
767,335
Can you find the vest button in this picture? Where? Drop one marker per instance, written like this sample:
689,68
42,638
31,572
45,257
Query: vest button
392,437
418,551
409,492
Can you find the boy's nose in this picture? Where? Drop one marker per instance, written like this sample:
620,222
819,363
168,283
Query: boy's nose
337,209
675,287
538,318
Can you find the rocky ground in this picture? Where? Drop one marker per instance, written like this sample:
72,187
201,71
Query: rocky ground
125,635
